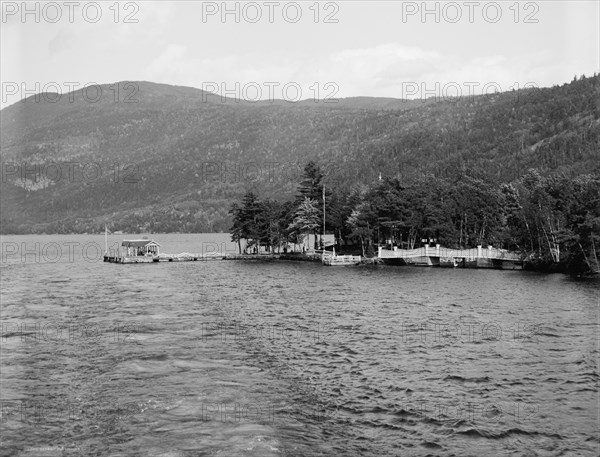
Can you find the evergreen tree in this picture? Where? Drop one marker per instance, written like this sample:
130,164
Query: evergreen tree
307,219
311,185
236,230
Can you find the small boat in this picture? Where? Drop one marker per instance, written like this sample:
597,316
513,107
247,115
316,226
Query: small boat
331,259
450,262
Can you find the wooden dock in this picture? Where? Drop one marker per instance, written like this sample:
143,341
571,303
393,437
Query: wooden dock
332,259
426,256
437,256
185,257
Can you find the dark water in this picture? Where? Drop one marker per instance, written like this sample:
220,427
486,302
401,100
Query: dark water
290,359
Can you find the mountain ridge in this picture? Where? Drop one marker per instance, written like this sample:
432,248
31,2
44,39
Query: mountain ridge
187,154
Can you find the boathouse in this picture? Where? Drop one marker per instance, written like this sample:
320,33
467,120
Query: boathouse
141,248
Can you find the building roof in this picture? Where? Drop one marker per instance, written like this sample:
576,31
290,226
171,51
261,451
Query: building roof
138,243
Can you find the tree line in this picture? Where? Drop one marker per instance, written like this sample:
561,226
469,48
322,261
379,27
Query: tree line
554,221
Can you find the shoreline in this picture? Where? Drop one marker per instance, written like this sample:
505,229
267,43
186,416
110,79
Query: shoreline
538,267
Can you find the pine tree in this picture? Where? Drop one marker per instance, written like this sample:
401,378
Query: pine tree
311,185
307,219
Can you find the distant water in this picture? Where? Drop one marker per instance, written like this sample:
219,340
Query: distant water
249,358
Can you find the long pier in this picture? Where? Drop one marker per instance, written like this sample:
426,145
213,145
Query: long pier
184,257
436,256
432,256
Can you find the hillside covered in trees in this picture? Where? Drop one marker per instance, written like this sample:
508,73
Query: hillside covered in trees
554,222
158,158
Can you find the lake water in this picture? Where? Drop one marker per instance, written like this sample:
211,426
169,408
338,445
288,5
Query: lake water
242,358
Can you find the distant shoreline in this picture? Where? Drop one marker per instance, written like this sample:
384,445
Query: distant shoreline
528,265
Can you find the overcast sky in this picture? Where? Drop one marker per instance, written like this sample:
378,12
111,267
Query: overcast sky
371,48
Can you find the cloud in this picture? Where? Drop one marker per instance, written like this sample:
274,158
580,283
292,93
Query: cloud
384,70
377,70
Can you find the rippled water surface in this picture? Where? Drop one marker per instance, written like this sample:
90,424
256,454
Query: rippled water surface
232,358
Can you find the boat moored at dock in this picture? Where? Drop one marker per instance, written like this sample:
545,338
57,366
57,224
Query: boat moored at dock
332,259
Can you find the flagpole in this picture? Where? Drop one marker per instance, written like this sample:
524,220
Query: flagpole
323,234
323,216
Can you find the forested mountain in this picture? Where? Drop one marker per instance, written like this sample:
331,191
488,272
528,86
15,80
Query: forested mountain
151,157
